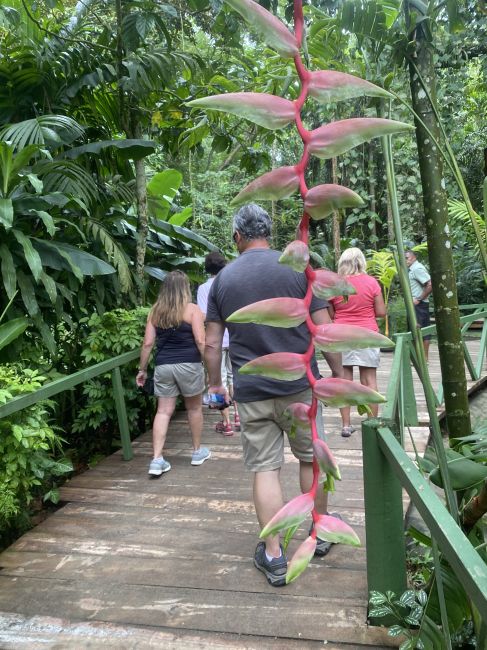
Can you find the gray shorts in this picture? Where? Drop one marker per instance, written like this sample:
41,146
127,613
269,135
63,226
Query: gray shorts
173,379
367,358
263,427
226,369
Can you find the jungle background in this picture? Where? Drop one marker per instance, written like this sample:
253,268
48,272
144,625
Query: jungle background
108,180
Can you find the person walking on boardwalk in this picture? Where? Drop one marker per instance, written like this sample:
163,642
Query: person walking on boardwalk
362,309
420,281
176,326
257,275
214,262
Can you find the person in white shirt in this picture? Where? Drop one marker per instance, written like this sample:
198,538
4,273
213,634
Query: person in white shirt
214,262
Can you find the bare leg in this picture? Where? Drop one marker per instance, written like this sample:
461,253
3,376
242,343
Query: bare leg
345,411
165,408
368,377
268,500
334,360
194,412
306,481
225,416
426,345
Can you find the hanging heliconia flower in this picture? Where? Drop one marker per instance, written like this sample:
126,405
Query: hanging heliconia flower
327,141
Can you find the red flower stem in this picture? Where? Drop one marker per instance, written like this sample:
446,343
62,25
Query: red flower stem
304,77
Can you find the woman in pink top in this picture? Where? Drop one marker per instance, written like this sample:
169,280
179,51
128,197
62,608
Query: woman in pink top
361,309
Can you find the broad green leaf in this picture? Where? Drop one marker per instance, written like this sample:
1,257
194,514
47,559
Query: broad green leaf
266,110
332,337
27,292
287,366
59,256
294,512
49,286
464,473
31,255
9,274
323,200
11,330
47,220
6,213
272,186
161,190
296,255
181,217
276,312
343,392
272,30
336,138
301,558
36,183
327,86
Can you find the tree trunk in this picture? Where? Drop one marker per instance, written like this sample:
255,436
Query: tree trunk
439,245
142,226
336,216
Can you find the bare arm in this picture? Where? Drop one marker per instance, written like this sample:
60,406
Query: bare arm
427,289
333,359
213,354
145,351
379,306
198,326
331,311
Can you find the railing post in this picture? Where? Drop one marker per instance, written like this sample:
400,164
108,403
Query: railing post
410,406
483,342
118,395
384,518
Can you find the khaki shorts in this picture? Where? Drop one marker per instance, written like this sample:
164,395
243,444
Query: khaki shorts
173,379
226,369
263,427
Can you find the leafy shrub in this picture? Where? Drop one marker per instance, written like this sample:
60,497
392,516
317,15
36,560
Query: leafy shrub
28,448
396,312
96,424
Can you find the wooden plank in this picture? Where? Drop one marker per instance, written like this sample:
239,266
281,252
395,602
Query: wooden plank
17,631
225,575
194,609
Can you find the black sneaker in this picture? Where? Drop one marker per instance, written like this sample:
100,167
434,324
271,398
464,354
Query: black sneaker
323,547
275,570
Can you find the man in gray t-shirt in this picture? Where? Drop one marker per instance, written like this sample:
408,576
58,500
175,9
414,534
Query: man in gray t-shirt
257,275
420,282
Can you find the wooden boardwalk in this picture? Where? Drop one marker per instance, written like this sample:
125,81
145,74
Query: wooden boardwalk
133,562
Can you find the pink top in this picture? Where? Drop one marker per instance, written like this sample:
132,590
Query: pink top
359,309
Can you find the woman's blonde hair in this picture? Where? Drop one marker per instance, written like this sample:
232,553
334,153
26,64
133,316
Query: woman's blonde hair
352,262
174,295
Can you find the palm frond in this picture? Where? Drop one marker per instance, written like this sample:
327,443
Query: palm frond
460,219
46,130
69,178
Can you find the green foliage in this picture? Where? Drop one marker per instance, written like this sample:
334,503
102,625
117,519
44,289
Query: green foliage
95,426
30,448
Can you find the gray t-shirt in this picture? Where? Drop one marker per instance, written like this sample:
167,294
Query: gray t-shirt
257,275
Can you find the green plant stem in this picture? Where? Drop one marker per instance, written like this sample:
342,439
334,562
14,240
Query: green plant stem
6,308
441,595
416,332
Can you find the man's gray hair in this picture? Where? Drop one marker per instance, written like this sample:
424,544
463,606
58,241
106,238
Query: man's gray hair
252,222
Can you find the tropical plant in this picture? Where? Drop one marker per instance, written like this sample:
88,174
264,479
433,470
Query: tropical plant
330,140
382,266
31,457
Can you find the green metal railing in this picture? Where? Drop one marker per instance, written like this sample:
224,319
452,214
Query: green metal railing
388,469
70,381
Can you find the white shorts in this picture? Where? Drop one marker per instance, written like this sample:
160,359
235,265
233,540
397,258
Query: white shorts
367,358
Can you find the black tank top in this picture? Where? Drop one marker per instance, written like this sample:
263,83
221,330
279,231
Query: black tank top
176,345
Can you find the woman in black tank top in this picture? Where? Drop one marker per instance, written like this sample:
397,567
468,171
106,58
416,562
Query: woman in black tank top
176,326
